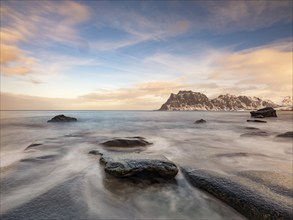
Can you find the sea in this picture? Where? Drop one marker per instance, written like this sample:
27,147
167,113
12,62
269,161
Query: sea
58,179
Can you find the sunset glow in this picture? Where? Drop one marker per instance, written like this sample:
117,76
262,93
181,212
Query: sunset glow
133,54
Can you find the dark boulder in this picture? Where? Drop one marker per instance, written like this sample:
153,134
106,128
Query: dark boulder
62,118
255,133
137,164
288,134
95,152
127,142
250,194
259,116
259,121
200,121
264,112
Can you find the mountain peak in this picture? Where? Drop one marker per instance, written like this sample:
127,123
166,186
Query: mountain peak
287,101
190,101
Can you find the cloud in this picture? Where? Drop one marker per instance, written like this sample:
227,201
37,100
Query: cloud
231,16
13,71
149,95
23,102
42,21
153,21
157,91
15,61
261,71
38,24
268,68
10,36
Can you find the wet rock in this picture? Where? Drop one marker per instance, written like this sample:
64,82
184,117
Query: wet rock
259,116
239,154
259,121
62,118
95,152
251,198
288,134
127,142
264,112
32,146
251,128
278,182
200,121
40,158
255,133
136,164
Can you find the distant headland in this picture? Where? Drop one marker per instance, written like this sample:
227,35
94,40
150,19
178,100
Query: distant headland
192,101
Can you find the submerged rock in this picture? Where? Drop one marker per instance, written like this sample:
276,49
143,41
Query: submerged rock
40,158
32,146
62,118
288,134
255,133
95,152
264,112
136,164
251,128
249,197
239,154
126,144
260,121
200,121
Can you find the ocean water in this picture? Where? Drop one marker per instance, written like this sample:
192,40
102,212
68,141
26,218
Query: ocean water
60,180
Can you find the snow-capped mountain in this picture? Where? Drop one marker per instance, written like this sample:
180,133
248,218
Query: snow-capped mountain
190,101
287,101
286,104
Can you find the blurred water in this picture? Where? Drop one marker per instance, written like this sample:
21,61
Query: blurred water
58,179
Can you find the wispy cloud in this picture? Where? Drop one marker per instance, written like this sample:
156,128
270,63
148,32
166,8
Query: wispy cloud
17,101
142,50
148,95
42,23
268,67
231,16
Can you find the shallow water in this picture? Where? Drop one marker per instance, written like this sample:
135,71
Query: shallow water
59,180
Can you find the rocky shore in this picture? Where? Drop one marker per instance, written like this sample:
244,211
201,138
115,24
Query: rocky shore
127,165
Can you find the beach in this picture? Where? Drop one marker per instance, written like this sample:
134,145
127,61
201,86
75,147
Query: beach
57,179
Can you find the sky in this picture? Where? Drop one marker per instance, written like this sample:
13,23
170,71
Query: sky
130,55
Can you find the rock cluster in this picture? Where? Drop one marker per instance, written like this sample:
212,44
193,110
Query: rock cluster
133,164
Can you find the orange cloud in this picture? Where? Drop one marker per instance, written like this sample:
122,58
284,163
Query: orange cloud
15,61
38,22
269,68
147,89
149,95
70,10
10,36
23,102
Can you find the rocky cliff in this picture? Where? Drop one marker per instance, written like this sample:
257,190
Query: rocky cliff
191,101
